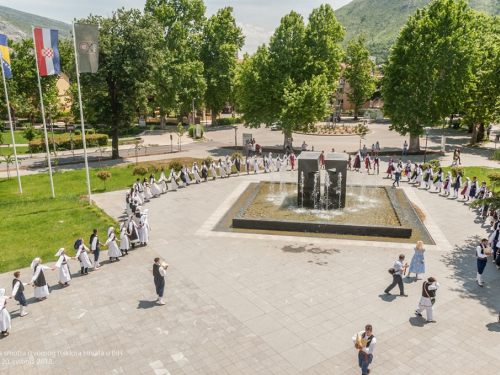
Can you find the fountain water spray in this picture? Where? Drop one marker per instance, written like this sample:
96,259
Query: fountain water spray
301,187
315,190
327,186
338,189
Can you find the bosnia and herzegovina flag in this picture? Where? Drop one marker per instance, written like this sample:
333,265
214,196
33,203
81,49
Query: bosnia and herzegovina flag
4,49
47,51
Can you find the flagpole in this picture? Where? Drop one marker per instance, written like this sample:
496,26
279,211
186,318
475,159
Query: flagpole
43,116
81,116
11,127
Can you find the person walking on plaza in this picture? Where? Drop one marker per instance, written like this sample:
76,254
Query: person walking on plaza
483,252
95,249
405,149
4,315
38,279
63,265
397,176
417,264
365,342
397,276
83,257
428,299
18,293
159,272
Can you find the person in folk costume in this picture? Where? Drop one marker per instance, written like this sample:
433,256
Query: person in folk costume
255,165
390,168
63,265
482,259
173,180
457,182
144,228
414,173
271,162
482,191
265,163
429,288
132,231
408,170
213,171
485,208
397,175
4,315
466,188
95,246
155,189
124,242
284,162
473,189
493,242
163,182
196,173
18,293
278,163
136,196
186,175
368,164
428,177
228,165
147,190
204,171
247,164
139,188
420,175
447,184
113,250
83,257
237,164
292,160
159,273
357,162
128,200
38,279
438,181
220,167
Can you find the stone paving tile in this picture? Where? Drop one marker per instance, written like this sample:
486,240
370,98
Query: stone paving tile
243,306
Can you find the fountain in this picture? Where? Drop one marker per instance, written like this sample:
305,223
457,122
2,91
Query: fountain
304,206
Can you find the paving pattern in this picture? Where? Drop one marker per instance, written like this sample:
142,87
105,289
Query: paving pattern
257,304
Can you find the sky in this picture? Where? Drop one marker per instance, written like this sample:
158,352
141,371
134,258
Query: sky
257,18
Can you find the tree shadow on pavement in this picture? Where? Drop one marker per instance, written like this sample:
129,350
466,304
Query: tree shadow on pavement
462,260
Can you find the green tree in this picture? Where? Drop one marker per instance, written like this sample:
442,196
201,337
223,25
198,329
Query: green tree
220,45
30,134
292,80
359,72
179,77
128,59
429,68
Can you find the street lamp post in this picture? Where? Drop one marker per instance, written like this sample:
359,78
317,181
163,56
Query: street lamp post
426,137
236,137
194,121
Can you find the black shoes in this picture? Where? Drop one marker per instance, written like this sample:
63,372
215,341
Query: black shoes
417,313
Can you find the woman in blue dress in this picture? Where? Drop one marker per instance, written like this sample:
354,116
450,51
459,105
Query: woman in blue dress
417,264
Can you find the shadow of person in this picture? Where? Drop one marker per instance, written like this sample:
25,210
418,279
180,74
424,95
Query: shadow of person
387,297
146,304
417,321
493,327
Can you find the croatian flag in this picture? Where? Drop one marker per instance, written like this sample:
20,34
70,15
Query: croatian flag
47,51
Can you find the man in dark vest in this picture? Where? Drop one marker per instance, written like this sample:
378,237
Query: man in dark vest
365,342
95,249
483,252
428,298
159,272
18,293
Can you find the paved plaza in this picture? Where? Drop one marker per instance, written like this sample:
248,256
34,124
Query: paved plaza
258,304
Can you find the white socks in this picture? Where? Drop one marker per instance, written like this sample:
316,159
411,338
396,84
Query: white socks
160,299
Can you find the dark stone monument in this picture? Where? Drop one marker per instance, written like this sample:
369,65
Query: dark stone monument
336,168
309,165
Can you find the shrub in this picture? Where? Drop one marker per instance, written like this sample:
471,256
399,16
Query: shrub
496,155
90,131
175,165
434,163
190,130
208,160
139,170
236,155
229,121
104,176
78,132
153,168
494,179
64,142
456,170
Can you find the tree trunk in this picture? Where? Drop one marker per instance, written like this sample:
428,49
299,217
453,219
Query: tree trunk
414,143
114,142
473,138
355,113
214,117
480,133
163,123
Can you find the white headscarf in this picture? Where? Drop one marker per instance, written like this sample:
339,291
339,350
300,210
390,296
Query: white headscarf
145,211
35,262
59,253
2,298
111,230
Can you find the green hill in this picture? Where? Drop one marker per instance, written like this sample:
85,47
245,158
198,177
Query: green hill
17,25
381,20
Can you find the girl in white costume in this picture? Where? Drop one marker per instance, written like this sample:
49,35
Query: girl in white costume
428,177
220,166
229,164
186,175
155,189
447,184
144,228
466,188
147,190
196,173
38,279
212,170
124,242
83,257
163,183
63,265
173,180
247,164
4,315
457,182
271,162
255,164
113,250
438,181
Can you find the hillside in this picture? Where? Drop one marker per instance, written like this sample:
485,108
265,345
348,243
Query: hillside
381,20
17,25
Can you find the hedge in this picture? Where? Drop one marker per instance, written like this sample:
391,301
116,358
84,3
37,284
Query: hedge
190,130
64,143
229,120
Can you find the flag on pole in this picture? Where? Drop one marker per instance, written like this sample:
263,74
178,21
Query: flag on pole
4,49
87,47
47,51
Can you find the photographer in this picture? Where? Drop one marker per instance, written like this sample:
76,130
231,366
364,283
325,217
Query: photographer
397,276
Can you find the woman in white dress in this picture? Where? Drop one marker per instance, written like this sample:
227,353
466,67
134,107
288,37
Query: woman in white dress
438,181
278,163
4,315
220,166
155,189
228,166
113,250
255,164
447,184
265,163
132,231
63,265
247,164
196,173
147,190
38,279
82,254
163,182
428,177
173,180
466,188
271,162
124,242
186,174
144,229
204,171
212,170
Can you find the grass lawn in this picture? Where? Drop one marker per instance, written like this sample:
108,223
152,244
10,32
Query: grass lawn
18,136
10,150
35,225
